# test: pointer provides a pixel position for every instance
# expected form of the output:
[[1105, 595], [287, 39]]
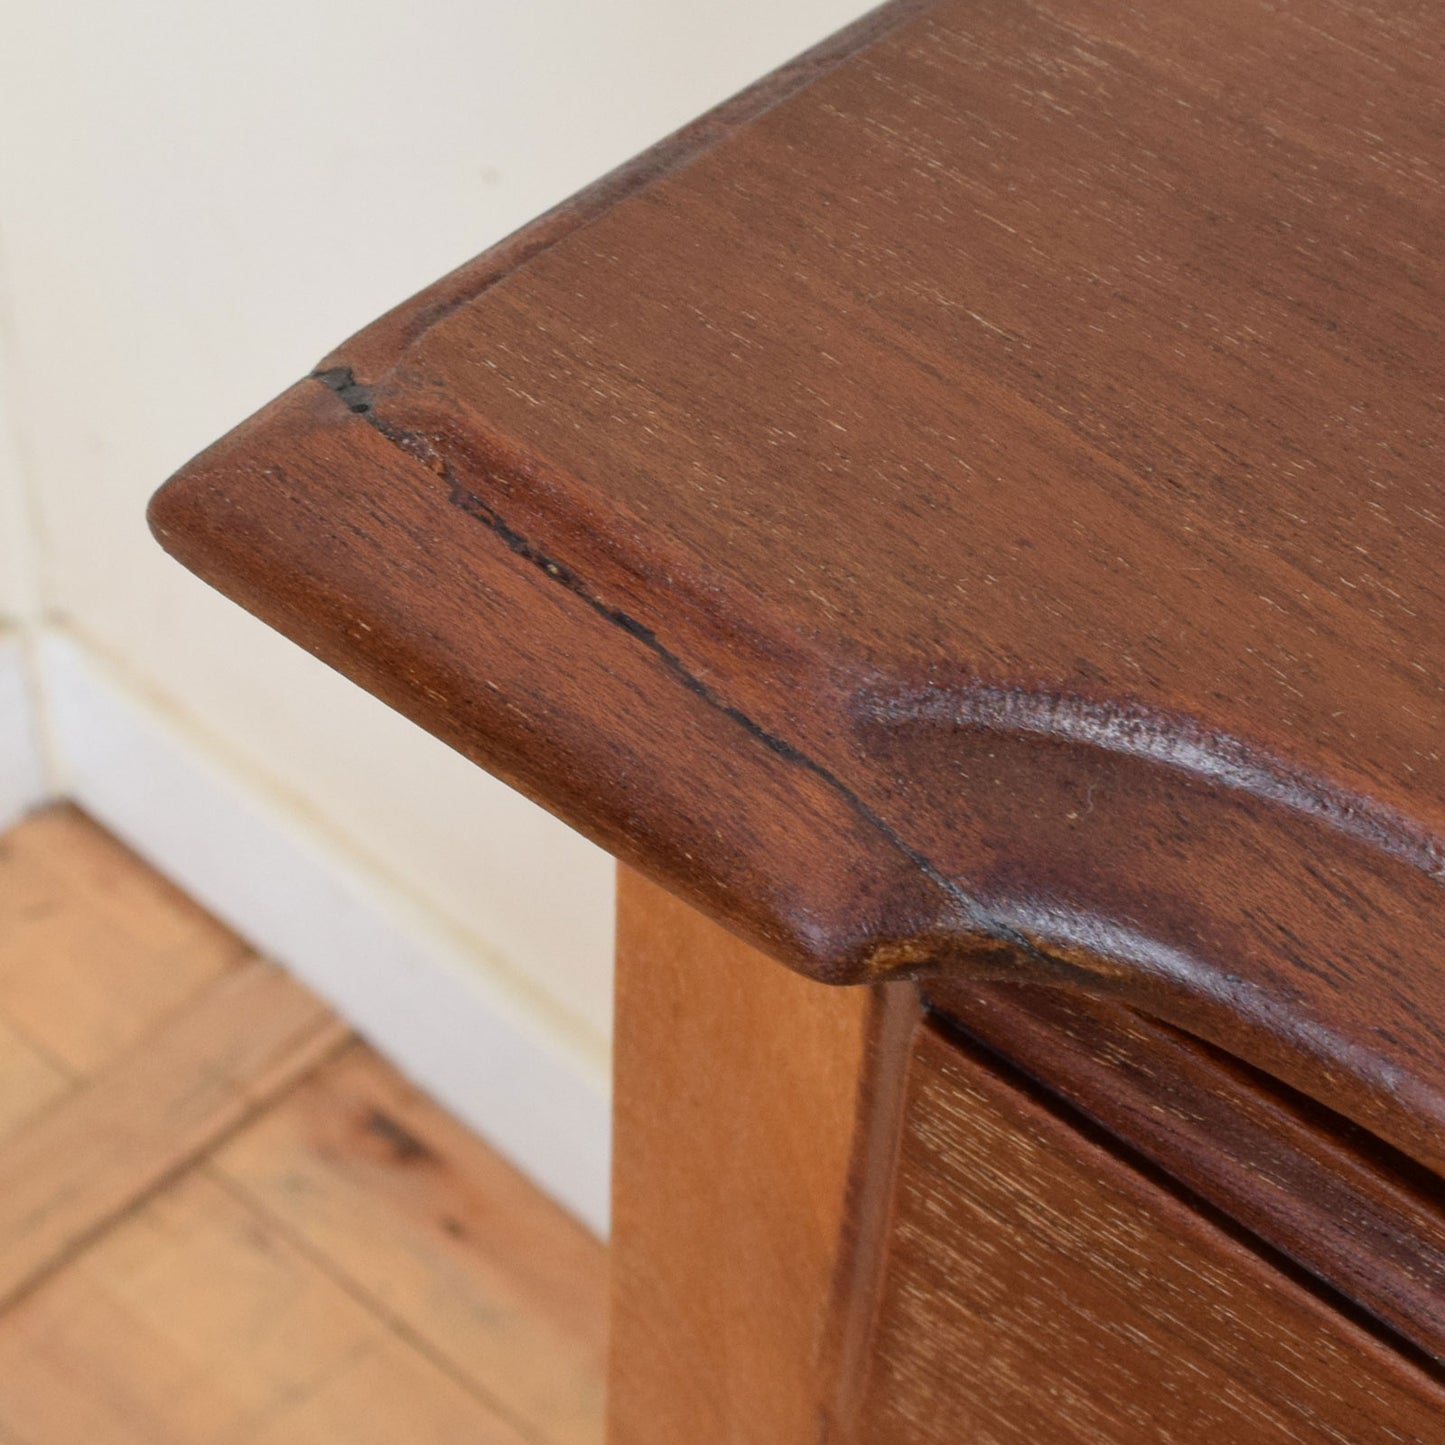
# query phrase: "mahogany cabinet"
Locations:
[[964, 523]]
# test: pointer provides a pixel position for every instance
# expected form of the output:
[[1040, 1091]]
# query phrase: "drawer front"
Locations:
[[1038, 1286]]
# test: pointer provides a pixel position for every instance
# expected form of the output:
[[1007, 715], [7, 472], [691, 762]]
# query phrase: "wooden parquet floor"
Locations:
[[224, 1220]]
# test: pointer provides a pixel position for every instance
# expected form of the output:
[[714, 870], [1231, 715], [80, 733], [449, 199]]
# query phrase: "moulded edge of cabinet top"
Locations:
[[967, 506]]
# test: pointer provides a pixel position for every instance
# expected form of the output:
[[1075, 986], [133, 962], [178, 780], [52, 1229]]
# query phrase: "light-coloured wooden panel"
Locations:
[[738, 1104], [70, 1170], [96, 949], [420, 1218], [194, 1323]]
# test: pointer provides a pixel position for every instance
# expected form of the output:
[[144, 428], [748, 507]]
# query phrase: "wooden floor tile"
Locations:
[[423, 1219], [193, 1323], [198, 1249], [78, 1164], [390, 1395], [29, 1081], [95, 948]]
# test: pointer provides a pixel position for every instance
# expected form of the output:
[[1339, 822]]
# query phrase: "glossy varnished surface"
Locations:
[[975, 508]]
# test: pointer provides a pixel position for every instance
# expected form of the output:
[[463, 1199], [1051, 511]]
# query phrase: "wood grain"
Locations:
[[72, 1169], [29, 1079], [976, 515], [350, 1266], [1040, 1288], [423, 1221], [192, 1323], [744, 1095], [95, 949], [1364, 1221]]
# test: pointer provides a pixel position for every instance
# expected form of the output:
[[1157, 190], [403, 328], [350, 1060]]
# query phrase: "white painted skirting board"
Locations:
[[22, 773], [482, 1051]]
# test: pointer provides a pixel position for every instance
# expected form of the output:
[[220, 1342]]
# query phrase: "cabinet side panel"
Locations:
[[739, 1087], [1039, 1286]]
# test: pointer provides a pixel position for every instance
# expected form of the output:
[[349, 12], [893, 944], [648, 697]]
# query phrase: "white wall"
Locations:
[[196, 202], [22, 772], [15, 581]]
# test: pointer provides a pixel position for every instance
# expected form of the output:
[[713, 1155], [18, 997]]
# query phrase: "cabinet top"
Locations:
[[971, 504]]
